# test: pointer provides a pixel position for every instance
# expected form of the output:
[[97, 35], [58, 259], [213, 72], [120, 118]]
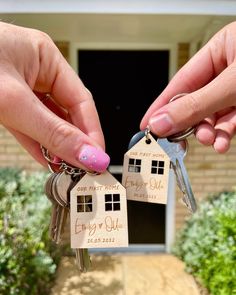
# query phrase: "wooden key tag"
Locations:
[[146, 172], [98, 210]]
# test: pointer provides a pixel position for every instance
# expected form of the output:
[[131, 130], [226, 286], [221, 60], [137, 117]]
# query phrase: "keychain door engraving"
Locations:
[[98, 207], [146, 172]]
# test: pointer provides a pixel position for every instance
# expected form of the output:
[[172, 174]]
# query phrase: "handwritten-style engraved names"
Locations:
[[152, 184], [109, 225]]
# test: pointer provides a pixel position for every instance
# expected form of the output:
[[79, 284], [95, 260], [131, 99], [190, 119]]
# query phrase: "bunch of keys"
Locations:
[[175, 147], [57, 190], [97, 206]]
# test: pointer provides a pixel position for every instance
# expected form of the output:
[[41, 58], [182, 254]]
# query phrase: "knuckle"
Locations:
[[59, 135], [42, 36], [43, 40], [194, 106]]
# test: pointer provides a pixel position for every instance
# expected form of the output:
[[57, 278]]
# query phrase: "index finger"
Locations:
[[59, 79]]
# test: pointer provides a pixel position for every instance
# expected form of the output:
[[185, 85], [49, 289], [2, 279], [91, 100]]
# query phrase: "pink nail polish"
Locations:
[[161, 124], [56, 160], [93, 158]]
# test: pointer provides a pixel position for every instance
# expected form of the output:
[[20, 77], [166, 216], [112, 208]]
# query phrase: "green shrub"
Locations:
[[207, 244], [28, 260]]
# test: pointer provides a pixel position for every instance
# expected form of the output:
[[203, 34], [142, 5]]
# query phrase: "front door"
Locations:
[[124, 84]]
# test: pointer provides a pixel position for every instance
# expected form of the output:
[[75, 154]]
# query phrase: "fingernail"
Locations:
[[161, 124], [93, 158], [56, 160]]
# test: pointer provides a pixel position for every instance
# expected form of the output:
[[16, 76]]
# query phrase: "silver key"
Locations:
[[83, 259], [60, 185], [57, 189], [177, 151], [55, 205], [58, 223], [58, 215], [81, 254]]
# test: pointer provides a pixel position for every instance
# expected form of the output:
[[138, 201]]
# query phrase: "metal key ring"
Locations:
[[183, 134], [49, 158]]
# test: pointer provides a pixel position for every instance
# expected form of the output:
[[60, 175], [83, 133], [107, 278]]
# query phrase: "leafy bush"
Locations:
[[28, 260], [207, 244]]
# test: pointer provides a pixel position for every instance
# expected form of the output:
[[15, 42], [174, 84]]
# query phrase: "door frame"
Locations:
[[171, 47], [170, 208]]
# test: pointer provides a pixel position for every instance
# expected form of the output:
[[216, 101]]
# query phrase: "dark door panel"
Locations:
[[124, 84]]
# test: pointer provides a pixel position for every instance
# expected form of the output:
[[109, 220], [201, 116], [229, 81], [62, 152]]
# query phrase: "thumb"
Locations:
[[192, 108]]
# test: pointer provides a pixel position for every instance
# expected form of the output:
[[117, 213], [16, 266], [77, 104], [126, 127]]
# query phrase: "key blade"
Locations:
[[60, 211], [188, 195], [62, 185], [48, 188], [52, 226], [83, 259], [173, 149], [61, 226]]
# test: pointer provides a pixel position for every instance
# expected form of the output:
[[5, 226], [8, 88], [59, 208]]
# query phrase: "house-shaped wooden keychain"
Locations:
[[98, 209], [146, 171]]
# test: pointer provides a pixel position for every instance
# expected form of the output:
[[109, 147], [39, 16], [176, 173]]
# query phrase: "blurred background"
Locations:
[[125, 52]]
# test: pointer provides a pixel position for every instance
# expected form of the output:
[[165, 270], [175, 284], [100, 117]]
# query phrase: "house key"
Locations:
[[82, 257], [59, 189], [177, 151], [62, 185], [55, 206]]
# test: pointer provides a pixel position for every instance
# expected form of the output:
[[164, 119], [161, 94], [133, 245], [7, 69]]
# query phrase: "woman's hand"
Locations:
[[66, 122], [210, 79]]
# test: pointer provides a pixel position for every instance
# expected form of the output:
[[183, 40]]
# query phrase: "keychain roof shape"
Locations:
[[98, 208], [146, 171]]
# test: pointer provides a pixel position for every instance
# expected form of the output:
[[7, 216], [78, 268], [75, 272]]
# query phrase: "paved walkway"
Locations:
[[126, 275]]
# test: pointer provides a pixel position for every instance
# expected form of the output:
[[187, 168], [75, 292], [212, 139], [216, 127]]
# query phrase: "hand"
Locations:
[[210, 79], [66, 123]]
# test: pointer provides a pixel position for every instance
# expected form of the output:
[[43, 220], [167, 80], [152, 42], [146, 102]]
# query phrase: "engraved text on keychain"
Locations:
[[98, 208], [146, 171]]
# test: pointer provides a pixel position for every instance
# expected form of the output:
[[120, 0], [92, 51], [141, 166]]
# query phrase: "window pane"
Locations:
[[80, 208], [89, 208], [154, 163], [137, 169], [160, 171], [131, 169], [161, 163], [80, 199], [116, 206], [116, 197], [138, 162], [154, 170], [88, 199], [108, 206], [108, 198], [131, 161]]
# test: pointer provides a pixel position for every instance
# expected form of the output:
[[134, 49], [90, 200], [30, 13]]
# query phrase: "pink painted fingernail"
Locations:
[[56, 160], [161, 124], [93, 158]]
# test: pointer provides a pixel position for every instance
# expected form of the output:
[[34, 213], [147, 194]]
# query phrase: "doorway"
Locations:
[[124, 83]]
